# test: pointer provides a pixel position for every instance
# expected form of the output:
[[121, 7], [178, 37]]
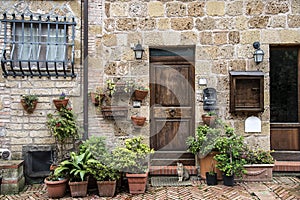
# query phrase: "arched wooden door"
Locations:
[[172, 79]]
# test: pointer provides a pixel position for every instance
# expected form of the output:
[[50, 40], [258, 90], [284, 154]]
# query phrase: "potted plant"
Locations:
[[229, 159], [62, 101], [97, 96], [259, 165], [140, 93], [209, 118], [134, 160], [56, 185], [102, 166], [211, 176], [63, 126], [138, 121], [29, 102], [76, 168], [203, 145]]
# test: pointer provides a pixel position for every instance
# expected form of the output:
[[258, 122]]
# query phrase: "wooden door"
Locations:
[[284, 102], [172, 109]]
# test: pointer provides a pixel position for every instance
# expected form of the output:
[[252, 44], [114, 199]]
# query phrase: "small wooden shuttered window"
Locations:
[[37, 46]]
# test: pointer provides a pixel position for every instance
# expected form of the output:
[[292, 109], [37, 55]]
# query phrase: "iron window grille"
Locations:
[[37, 45]]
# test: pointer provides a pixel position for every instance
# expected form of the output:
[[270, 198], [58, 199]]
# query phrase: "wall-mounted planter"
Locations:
[[140, 94], [112, 112], [59, 103], [138, 120], [27, 108], [96, 98]]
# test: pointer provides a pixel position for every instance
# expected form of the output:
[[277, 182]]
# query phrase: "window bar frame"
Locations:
[[65, 46], [30, 48], [73, 48], [39, 48], [56, 40], [47, 47], [16, 57]]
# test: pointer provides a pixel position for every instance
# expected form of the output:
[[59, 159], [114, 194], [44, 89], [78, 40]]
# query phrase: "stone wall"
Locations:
[[17, 128], [223, 33]]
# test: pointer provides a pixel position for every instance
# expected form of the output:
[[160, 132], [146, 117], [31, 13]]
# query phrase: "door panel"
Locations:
[[284, 99], [172, 110]]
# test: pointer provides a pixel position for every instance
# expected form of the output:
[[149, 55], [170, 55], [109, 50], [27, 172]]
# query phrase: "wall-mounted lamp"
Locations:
[[258, 53], [138, 51]]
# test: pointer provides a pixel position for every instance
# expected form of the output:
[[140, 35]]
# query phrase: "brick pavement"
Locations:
[[285, 188]]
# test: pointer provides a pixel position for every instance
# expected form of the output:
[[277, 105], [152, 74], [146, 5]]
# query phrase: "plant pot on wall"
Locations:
[[96, 98], [59, 103], [209, 120], [29, 109], [138, 120], [140, 94]]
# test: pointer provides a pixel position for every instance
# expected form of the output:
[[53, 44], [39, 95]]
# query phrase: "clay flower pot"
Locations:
[[106, 188], [138, 121], [137, 183], [56, 189], [140, 94], [59, 103], [27, 108]]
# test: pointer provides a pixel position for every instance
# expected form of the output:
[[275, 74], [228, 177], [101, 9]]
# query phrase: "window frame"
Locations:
[[61, 30]]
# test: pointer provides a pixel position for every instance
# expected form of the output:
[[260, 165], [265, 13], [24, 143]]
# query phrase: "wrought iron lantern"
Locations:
[[138, 51], [258, 53]]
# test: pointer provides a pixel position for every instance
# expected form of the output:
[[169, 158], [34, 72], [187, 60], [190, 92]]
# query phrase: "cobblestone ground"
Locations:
[[286, 188]]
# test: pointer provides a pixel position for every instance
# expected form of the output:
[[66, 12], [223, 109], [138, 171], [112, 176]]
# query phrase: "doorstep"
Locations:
[[170, 170], [287, 166]]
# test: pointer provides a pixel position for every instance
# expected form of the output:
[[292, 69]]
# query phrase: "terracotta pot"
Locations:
[[96, 98], [78, 189], [208, 120], [106, 188], [206, 165], [28, 109], [140, 94], [56, 189], [59, 103], [138, 121], [137, 183]]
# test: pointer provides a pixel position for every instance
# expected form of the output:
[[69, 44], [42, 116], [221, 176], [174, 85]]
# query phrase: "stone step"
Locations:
[[170, 170], [286, 166]]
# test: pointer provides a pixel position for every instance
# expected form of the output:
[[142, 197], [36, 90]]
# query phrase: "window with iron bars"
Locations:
[[38, 46]]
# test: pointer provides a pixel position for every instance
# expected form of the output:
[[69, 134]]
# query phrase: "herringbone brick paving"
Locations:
[[285, 188]]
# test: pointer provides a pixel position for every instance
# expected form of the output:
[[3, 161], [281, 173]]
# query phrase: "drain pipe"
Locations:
[[85, 70]]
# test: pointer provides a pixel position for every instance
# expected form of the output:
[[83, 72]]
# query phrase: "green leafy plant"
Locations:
[[76, 167], [258, 156], [204, 141], [63, 125], [29, 100], [133, 157], [102, 166], [231, 147]]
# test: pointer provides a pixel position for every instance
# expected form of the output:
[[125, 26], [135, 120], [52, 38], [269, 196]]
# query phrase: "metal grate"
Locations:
[[37, 45]]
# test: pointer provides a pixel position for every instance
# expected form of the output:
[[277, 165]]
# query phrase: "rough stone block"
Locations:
[[182, 23], [156, 9], [215, 8], [196, 9], [176, 9]]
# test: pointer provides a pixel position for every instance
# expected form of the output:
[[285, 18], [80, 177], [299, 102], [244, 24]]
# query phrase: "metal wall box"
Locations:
[[246, 91]]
